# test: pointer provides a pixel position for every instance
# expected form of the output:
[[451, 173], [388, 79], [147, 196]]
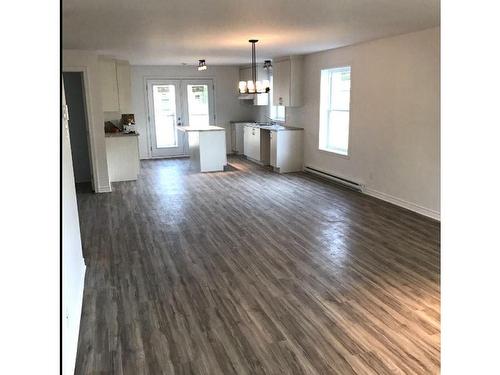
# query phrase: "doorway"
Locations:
[[177, 102], [78, 129]]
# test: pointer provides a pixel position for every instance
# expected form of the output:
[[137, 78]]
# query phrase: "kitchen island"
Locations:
[[207, 147]]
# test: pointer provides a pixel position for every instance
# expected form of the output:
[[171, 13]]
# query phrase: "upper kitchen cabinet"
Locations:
[[115, 85], [124, 87], [109, 85], [288, 81], [262, 74]]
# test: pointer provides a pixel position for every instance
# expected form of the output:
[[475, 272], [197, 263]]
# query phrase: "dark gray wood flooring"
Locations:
[[251, 272]]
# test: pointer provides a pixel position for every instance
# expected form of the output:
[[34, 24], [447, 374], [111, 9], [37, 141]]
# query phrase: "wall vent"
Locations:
[[336, 179]]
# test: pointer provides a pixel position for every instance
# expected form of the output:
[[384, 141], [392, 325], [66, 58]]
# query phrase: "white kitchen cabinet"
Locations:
[[288, 81], [256, 144], [122, 152], [272, 149], [115, 85], [286, 152], [237, 137], [262, 74], [251, 140], [109, 85], [282, 149], [124, 87]]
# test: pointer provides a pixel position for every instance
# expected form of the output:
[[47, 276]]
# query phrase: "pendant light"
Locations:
[[202, 65], [253, 86]]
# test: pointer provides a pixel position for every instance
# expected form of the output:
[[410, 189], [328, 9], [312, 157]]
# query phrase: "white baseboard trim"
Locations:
[[402, 203], [104, 189], [165, 157]]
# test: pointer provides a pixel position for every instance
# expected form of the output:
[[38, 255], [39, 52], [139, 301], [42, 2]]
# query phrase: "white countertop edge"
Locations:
[[199, 129]]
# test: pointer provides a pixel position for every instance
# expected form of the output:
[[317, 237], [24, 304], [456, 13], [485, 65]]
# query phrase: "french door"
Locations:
[[172, 103]]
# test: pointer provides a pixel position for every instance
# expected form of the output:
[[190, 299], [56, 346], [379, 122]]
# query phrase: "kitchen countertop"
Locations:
[[199, 128], [120, 134], [275, 128]]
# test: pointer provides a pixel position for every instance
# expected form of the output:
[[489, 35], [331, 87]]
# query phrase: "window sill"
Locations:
[[333, 153]]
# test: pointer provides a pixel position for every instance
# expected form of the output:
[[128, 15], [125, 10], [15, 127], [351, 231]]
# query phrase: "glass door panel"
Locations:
[[198, 113], [198, 107], [164, 114], [164, 104]]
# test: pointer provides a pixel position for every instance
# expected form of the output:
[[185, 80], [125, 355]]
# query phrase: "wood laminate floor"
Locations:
[[251, 272]]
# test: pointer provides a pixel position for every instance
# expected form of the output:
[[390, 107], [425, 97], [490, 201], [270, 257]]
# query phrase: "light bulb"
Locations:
[[259, 87], [251, 87], [243, 87]]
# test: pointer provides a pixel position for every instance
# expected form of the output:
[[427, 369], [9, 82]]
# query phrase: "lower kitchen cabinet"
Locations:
[[251, 140], [122, 152], [282, 149], [286, 153], [237, 137]]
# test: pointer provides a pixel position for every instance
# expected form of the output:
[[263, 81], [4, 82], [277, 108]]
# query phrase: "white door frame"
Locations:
[[89, 114], [147, 78], [181, 149]]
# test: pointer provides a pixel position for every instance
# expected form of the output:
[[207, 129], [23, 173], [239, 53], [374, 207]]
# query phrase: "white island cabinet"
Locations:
[[207, 147]]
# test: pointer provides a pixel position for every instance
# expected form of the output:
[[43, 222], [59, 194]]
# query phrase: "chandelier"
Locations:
[[253, 86]]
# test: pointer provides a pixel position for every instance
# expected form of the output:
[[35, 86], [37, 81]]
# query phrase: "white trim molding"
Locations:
[[104, 189], [89, 114], [402, 203]]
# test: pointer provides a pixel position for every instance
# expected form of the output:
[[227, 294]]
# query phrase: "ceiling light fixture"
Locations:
[[254, 86], [202, 65]]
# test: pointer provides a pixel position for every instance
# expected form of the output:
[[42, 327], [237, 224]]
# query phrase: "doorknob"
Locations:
[[179, 123]]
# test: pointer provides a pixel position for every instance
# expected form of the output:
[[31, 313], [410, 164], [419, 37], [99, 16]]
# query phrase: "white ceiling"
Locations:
[[168, 32]]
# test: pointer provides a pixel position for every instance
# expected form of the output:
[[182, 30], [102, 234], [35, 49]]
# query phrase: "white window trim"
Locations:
[[324, 149]]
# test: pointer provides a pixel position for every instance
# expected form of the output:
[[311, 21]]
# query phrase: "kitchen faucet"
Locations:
[[273, 122]]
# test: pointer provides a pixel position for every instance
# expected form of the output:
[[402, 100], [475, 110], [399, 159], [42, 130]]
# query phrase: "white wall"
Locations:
[[227, 105], [76, 60], [394, 143], [73, 267]]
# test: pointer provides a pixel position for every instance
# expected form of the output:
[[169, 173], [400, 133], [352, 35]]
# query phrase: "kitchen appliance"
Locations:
[[128, 123]]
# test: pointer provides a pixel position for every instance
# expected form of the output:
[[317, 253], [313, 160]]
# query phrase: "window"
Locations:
[[276, 112], [334, 110]]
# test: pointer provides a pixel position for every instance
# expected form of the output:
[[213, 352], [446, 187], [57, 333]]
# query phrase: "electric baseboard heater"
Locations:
[[335, 179]]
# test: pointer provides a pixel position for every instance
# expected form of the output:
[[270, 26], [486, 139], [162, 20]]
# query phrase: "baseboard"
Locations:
[[168, 157], [405, 204], [104, 189]]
